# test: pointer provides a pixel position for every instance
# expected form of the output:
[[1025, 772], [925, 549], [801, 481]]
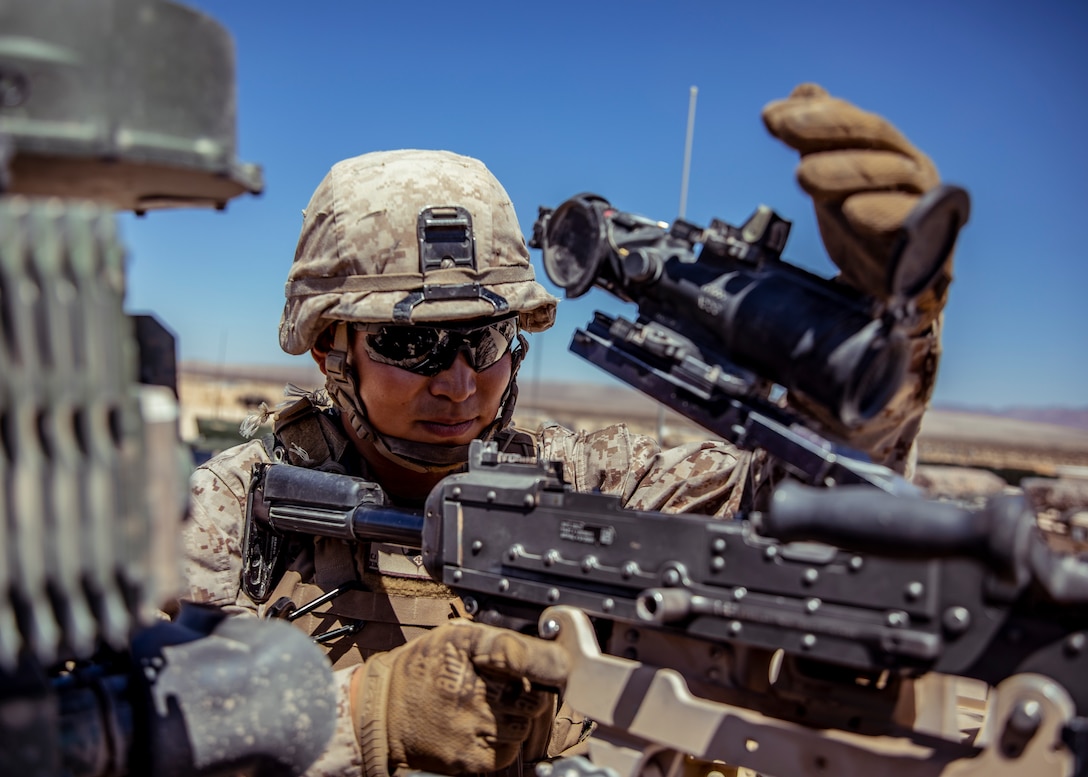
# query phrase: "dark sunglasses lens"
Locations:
[[489, 344], [403, 346]]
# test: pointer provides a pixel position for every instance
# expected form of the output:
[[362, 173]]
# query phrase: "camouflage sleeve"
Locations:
[[709, 477], [342, 756], [211, 538], [212, 564]]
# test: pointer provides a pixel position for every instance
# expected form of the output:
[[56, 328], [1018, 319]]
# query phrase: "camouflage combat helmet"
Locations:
[[408, 237]]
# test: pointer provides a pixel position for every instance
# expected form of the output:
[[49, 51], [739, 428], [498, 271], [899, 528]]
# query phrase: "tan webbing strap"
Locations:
[[309, 437], [401, 281]]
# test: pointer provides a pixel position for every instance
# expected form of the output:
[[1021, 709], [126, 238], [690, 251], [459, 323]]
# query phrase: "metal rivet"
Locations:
[[808, 641], [915, 590], [810, 576], [956, 619]]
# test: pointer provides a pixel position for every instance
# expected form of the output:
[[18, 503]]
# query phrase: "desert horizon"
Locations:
[[1010, 439]]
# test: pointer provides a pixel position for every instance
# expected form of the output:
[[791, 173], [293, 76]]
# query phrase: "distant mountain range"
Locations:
[[1069, 417]]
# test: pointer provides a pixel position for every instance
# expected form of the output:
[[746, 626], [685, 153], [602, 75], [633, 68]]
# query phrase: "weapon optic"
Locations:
[[721, 328]]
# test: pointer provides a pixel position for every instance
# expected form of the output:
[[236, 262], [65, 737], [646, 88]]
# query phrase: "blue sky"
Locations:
[[565, 97]]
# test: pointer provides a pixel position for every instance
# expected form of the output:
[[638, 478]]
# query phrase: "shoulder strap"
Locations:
[[305, 437], [308, 436], [518, 441]]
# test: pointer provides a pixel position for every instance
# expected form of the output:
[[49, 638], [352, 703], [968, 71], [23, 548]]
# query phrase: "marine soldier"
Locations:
[[420, 348]]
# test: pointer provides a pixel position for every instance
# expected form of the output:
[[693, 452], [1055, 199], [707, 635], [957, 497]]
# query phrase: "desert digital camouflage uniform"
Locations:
[[357, 261], [403, 600]]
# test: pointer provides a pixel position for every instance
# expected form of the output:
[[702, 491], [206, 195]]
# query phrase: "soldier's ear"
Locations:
[[322, 346]]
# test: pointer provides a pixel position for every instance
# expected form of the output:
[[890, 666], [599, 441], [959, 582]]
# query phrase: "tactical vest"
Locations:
[[358, 599]]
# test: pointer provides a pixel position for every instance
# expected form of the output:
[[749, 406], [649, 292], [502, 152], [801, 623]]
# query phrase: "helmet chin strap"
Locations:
[[342, 385]]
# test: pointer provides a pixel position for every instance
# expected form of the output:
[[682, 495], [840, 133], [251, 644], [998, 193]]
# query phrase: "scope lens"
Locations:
[[573, 246]]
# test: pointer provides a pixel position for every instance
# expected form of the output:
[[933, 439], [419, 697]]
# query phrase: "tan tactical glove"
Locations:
[[456, 700], [864, 177]]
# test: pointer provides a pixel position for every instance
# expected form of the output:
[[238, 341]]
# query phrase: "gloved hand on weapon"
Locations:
[[864, 178], [458, 699]]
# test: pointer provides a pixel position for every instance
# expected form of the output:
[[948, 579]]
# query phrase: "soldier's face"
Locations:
[[452, 407]]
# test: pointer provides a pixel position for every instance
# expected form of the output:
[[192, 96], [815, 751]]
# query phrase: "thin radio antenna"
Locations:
[[685, 176]]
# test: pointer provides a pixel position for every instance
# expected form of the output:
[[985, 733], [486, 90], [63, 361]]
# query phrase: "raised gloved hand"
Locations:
[[864, 177], [458, 699]]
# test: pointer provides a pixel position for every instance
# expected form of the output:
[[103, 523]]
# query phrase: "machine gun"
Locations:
[[116, 104], [747, 641]]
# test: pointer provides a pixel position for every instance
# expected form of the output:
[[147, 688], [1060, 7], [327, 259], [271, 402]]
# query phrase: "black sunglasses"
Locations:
[[428, 350]]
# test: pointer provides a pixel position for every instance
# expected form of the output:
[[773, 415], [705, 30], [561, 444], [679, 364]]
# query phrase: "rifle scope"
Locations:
[[740, 301]]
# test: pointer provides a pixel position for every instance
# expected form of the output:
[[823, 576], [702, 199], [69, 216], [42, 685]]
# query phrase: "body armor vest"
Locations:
[[358, 599]]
